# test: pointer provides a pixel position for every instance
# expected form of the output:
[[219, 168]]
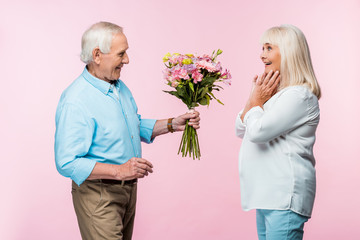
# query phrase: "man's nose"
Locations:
[[126, 59]]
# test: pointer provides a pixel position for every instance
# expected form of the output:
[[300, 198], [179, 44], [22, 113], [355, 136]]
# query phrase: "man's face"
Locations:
[[110, 64]]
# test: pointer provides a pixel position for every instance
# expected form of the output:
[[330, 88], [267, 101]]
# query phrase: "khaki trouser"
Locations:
[[104, 210]]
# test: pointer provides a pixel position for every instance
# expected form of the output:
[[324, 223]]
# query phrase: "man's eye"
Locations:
[[269, 48]]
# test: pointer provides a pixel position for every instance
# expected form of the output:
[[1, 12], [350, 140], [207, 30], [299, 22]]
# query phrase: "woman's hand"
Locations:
[[264, 87]]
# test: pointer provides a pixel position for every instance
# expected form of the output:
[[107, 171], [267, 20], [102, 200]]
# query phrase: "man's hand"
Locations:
[[180, 121], [134, 168]]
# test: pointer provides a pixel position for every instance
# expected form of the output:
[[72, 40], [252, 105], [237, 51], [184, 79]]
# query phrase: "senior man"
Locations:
[[98, 137]]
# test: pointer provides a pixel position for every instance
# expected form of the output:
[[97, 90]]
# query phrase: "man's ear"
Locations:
[[96, 54]]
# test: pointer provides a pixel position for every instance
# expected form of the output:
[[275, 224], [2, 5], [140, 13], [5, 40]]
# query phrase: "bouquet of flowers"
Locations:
[[194, 79]]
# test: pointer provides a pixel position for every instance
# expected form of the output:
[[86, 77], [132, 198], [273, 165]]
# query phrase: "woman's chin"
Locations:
[[267, 70]]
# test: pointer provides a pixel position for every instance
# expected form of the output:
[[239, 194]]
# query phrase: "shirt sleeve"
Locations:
[[146, 129], [288, 112], [240, 128], [73, 138], [146, 125]]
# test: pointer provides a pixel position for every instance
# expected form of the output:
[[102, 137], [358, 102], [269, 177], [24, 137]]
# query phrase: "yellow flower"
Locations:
[[190, 55], [187, 61], [166, 57]]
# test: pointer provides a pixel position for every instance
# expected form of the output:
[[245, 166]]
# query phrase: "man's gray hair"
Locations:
[[98, 35]]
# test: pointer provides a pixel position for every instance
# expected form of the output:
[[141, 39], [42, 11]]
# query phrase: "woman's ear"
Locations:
[[96, 54]]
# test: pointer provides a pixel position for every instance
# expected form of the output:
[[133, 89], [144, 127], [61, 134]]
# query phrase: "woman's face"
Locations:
[[270, 56]]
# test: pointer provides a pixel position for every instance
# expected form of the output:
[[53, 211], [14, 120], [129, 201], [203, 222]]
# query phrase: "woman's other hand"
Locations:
[[264, 87]]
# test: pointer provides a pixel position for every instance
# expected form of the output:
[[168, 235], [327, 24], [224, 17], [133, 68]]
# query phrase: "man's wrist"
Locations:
[[170, 126], [117, 174]]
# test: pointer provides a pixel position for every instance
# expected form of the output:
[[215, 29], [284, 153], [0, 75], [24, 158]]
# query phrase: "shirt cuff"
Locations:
[[253, 112], [146, 130], [82, 170], [240, 128], [238, 119]]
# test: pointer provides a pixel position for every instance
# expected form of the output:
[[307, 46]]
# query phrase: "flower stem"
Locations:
[[189, 143]]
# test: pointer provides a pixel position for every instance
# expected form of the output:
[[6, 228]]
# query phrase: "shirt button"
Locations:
[[132, 136]]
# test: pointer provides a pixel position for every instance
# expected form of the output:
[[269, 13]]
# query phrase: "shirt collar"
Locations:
[[102, 85]]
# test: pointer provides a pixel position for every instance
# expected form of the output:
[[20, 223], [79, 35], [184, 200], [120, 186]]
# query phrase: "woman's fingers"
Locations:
[[267, 77], [276, 84], [260, 79], [273, 79]]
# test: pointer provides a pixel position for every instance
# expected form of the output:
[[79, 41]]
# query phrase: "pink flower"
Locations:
[[206, 65], [197, 76], [206, 58], [176, 59], [166, 73], [174, 84], [179, 73], [227, 82], [225, 77], [218, 67], [170, 78]]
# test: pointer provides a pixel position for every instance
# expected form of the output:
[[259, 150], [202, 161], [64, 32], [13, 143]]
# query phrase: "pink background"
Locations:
[[182, 199]]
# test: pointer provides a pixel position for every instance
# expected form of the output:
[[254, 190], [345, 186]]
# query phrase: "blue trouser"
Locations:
[[279, 225]]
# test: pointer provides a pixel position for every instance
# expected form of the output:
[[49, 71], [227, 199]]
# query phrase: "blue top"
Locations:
[[97, 122]]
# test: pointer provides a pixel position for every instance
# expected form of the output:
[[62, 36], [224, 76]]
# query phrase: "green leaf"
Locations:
[[219, 101], [204, 91], [175, 93], [216, 98], [194, 104], [218, 86], [191, 86], [207, 99], [208, 81], [203, 101]]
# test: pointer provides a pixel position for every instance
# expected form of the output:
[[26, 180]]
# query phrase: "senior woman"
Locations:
[[278, 125]]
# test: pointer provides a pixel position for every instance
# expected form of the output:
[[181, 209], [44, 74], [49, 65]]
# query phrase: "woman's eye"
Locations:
[[269, 48]]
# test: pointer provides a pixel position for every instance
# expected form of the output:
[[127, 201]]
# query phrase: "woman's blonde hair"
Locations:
[[296, 66]]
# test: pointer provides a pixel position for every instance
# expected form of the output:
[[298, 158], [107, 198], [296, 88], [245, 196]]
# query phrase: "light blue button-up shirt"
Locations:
[[96, 124]]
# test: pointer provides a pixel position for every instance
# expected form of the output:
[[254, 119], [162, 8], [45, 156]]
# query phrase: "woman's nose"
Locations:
[[262, 56]]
